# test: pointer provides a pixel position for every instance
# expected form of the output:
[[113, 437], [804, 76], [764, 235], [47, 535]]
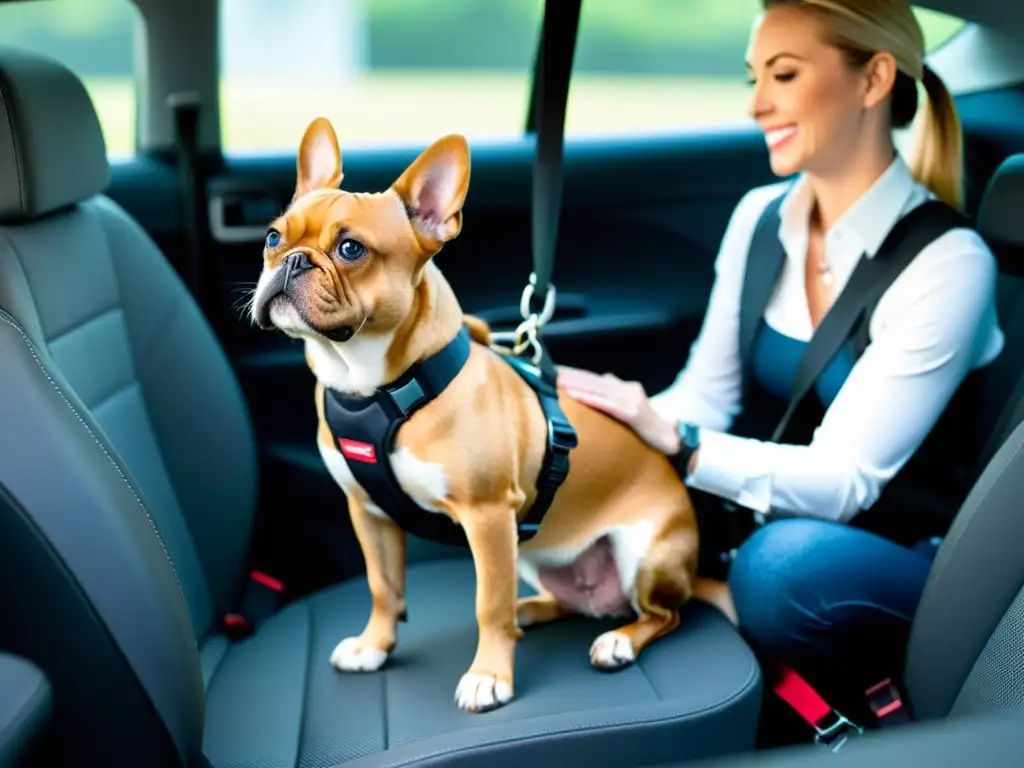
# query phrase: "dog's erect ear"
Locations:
[[434, 188], [319, 161]]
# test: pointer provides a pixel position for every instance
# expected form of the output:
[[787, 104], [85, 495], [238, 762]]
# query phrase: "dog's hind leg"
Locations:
[[542, 608], [664, 583]]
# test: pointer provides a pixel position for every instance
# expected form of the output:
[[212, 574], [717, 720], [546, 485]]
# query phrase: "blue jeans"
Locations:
[[833, 602]]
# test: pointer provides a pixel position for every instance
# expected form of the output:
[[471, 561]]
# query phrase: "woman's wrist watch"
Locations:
[[689, 442]]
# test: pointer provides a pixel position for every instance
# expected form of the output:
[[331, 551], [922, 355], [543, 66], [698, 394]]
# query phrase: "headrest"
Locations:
[[52, 152], [1001, 211]]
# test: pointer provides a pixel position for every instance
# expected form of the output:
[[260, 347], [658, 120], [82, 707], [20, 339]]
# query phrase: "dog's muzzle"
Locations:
[[291, 268], [293, 265]]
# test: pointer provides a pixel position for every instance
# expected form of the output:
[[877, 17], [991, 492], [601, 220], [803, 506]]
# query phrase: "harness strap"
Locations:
[[365, 428], [561, 439]]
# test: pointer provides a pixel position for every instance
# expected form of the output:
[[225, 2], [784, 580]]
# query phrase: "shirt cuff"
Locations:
[[730, 467]]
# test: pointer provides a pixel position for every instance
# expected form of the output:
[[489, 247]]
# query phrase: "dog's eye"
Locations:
[[273, 238], [351, 250]]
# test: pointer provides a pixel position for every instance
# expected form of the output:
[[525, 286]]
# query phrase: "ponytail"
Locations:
[[937, 161]]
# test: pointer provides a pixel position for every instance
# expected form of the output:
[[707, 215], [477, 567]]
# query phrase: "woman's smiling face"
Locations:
[[806, 97]]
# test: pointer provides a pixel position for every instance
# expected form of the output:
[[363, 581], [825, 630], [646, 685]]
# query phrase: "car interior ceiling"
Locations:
[[157, 450]]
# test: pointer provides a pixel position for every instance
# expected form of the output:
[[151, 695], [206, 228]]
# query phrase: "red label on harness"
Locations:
[[357, 451]]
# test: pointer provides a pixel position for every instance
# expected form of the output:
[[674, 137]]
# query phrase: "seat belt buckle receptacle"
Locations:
[[886, 703], [261, 599]]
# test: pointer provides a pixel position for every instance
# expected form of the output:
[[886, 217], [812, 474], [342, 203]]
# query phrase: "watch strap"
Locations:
[[689, 442]]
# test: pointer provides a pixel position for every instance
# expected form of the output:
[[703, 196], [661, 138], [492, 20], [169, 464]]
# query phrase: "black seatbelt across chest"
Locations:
[[847, 320], [364, 430]]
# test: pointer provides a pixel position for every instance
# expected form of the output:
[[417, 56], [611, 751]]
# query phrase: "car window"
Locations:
[[651, 66], [95, 40], [383, 71]]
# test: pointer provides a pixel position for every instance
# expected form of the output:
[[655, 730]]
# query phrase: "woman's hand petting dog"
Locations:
[[626, 401]]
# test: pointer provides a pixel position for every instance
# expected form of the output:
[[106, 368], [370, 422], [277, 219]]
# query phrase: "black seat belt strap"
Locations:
[[764, 265], [870, 280], [184, 108], [551, 93]]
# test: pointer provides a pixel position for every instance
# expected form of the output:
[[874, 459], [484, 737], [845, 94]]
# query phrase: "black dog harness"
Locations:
[[364, 429]]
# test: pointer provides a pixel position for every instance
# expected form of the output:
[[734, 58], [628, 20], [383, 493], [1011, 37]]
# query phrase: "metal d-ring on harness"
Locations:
[[526, 336], [364, 428]]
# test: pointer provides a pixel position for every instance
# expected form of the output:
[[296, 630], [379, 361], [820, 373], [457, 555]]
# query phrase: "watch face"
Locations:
[[690, 435]]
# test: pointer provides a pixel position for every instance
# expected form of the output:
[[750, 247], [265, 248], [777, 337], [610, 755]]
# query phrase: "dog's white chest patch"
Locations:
[[425, 482]]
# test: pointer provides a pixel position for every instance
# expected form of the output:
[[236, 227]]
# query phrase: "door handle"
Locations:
[[242, 216]]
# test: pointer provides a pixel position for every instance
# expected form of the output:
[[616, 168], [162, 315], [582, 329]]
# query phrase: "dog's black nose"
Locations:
[[295, 264], [298, 262]]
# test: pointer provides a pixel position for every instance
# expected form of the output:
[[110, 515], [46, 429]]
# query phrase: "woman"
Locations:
[[831, 80]]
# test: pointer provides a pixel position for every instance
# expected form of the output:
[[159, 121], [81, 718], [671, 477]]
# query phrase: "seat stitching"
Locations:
[[560, 731], [31, 347], [305, 687]]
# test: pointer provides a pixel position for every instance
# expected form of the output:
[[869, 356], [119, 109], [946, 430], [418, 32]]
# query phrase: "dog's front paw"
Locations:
[[479, 692], [612, 650], [350, 656]]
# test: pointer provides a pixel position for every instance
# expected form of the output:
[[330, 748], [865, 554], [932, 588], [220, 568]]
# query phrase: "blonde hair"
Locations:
[[862, 28]]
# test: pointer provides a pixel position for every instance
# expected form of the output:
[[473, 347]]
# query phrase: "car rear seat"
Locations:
[[127, 495], [1002, 391]]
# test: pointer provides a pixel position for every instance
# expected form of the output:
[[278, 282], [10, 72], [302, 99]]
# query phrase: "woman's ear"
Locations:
[[879, 78]]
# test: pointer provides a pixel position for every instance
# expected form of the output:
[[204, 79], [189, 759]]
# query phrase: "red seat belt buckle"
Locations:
[[236, 626], [274, 585], [831, 728], [886, 703], [261, 599]]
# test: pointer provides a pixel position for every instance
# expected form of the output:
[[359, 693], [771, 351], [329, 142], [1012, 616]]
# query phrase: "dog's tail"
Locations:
[[718, 594], [479, 330]]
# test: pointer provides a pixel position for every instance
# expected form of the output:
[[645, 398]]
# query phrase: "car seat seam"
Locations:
[[86, 321], [6, 97], [31, 347], [613, 724], [307, 675]]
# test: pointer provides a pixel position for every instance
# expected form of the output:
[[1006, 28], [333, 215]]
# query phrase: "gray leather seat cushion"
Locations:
[[274, 700]]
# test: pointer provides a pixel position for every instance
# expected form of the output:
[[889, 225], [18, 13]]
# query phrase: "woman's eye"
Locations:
[[785, 77], [273, 238], [351, 250]]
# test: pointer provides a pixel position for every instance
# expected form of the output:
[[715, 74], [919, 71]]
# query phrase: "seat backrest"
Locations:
[[1001, 223], [966, 649], [126, 453]]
